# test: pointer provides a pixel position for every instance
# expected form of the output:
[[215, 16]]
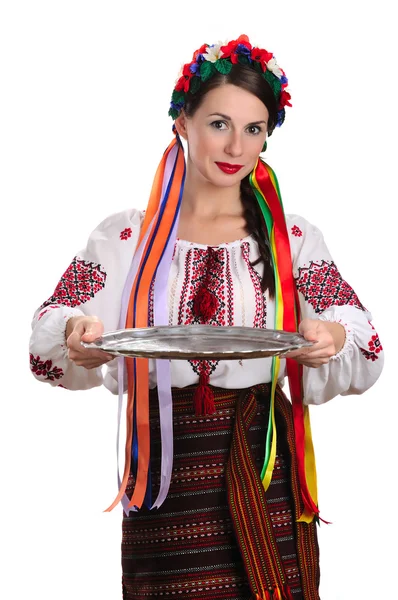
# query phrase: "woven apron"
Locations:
[[219, 535]]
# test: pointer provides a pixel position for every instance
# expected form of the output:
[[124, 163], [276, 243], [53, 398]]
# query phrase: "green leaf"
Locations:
[[177, 97], [206, 70], [195, 84], [223, 66], [243, 60], [274, 83], [173, 113]]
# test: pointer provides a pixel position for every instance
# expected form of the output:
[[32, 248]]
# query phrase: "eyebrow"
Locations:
[[227, 118]]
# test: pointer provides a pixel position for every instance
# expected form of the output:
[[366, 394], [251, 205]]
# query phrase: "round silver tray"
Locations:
[[198, 342]]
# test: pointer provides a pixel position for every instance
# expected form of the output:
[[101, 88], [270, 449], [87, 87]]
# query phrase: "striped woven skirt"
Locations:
[[218, 535]]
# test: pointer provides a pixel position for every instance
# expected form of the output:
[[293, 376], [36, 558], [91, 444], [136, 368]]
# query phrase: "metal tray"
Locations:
[[198, 342]]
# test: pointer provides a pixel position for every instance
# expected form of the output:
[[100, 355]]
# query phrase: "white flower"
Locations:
[[213, 53], [274, 68]]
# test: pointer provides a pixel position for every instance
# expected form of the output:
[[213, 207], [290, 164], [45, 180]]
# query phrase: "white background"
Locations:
[[84, 99]]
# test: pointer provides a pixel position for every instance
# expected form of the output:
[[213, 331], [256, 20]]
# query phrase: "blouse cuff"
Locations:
[[334, 315], [51, 322]]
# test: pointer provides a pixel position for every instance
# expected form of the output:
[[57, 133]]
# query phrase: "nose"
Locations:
[[234, 145]]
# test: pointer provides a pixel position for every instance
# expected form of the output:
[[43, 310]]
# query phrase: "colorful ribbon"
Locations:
[[154, 250], [265, 186]]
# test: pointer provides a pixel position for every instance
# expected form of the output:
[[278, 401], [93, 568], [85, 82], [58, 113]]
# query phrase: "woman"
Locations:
[[235, 497]]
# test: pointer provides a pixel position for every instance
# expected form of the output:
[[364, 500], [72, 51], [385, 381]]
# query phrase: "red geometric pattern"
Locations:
[[45, 368], [207, 269], [80, 282], [296, 231], [260, 315], [322, 286], [374, 348], [126, 233]]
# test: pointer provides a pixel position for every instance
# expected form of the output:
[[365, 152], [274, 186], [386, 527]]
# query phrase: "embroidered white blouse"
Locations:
[[94, 281]]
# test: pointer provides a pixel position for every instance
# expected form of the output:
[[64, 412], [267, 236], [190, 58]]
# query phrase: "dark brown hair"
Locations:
[[253, 82]]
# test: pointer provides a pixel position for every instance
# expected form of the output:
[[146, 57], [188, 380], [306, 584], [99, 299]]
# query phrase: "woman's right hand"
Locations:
[[85, 329]]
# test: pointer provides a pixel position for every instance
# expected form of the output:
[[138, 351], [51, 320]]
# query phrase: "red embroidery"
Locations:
[[296, 231], [215, 272], [45, 311], [80, 282], [45, 368], [126, 233], [211, 268], [260, 314], [374, 347], [322, 286], [369, 355]]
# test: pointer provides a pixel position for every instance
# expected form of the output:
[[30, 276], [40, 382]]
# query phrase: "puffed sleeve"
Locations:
[[325, 295], [91, 285]]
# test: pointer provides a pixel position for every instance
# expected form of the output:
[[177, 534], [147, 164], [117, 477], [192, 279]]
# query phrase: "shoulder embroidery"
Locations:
[[322, 286], [80, 282]]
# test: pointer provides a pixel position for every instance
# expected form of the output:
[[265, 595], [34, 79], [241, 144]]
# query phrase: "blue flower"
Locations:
[[242, 49], [283, 79], [280, 117], [195, 67], [177, 105]]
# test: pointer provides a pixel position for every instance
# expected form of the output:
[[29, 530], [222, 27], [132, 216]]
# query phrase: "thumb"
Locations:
[[309, 330]]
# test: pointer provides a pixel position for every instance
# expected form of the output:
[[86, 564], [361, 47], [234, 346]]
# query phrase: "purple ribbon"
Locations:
[[163, 371]]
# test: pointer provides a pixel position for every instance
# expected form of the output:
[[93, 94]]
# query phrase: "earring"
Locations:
[[264, 147]]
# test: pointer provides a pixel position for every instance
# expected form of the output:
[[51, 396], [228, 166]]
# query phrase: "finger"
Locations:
[[318, 353], [314, 364], [299, 352], [311, 335], [73, 342], [93, 331]]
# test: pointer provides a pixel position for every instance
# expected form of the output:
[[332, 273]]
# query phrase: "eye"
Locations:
[[219, 125], [254, 129]]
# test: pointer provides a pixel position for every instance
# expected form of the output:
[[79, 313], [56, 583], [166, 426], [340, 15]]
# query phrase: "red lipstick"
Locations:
[[227, 168]]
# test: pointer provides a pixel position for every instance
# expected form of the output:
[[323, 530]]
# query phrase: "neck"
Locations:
[[207, 201]]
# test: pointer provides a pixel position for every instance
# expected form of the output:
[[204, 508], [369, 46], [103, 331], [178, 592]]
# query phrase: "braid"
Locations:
[[256, 228]]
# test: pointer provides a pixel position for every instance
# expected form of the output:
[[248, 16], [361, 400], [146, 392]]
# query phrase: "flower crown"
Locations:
[[218, 58]]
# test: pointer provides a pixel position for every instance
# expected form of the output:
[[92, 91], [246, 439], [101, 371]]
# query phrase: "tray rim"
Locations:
[[176, 354]]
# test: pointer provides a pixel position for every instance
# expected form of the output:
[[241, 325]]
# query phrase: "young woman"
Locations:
[[218, 462]]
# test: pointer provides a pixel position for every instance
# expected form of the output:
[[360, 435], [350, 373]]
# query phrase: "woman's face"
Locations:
[[227, 131]]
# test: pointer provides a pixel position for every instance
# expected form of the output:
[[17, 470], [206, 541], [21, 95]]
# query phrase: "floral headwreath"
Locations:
[[218, 58]]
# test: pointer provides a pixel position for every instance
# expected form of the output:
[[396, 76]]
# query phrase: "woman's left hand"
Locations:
[[328, 340]]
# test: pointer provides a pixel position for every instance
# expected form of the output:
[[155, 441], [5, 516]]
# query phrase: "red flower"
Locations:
[[126, 233], [231, 47], [296, 231], [185, 79], [201, 50], [284, 99], [261, 56]]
